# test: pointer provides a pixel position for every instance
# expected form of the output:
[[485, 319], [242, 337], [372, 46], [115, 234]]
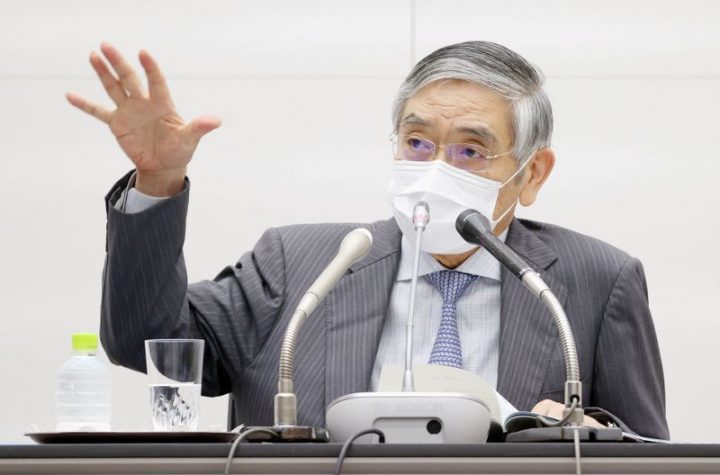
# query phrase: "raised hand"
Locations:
[[146, 125]]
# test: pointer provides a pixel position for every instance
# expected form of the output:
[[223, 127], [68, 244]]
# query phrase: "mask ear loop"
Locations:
[[494, 222], [517, 172], [505, 213]]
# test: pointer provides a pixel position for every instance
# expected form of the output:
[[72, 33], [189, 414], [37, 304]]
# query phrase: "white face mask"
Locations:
[[448, 191]]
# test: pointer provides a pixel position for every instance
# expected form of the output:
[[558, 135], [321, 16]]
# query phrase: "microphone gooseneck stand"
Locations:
[[475, 228], [354, 246], [421, 217]]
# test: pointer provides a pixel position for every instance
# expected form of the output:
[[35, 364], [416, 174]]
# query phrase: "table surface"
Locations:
[[312, 459], [190, 450]]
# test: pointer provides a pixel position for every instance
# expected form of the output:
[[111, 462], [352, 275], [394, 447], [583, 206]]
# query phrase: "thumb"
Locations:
[[200, 126]]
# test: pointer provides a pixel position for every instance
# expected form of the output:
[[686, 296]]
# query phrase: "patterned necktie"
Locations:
[[446, 349]]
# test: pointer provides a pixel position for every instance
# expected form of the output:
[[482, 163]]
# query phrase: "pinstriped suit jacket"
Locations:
[[243, 312]]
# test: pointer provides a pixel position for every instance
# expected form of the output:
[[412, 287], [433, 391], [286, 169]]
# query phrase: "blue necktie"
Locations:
[[446, 349]]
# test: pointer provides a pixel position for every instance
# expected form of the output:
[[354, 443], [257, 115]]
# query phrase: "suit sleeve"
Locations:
[[628, 370], [146, 294]]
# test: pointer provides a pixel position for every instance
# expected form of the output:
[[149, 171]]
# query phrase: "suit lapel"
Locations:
[[355, 313], [528, 335]]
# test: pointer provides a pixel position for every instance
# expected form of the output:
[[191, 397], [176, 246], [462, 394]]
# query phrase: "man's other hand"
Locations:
[[554, 409]]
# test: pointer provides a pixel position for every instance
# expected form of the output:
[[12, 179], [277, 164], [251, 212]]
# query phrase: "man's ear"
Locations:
[[538, 170]]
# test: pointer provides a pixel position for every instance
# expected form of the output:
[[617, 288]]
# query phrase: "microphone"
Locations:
[[420, 219], [421, 215], [407, 416], [475, 228], [354, 246]]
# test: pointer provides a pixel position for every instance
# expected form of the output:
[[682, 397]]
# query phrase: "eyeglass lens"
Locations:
[[463, 156]]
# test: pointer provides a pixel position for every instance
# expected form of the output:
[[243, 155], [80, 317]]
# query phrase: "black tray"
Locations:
[[129, 437]]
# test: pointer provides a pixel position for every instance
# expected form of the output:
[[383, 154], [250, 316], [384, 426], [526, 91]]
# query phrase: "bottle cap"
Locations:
[[84, 341]]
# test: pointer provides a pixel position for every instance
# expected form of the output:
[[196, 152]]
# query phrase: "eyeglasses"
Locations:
[[469, 157]]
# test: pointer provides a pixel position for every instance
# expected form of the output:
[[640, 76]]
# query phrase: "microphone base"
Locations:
[[289, 434], [410, 417], [566, 434]]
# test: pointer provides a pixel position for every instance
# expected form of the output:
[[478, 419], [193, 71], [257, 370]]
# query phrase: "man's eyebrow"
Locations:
[[412, 119], [481, 132]]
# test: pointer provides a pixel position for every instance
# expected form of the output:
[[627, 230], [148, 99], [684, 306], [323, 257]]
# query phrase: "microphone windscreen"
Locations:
[[356, 244], [421, 214], [471, 220]]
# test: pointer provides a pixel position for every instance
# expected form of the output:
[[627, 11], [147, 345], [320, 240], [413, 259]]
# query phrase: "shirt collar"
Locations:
[[480, 263]]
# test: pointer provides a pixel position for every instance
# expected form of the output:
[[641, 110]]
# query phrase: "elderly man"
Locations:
[[473, 128]]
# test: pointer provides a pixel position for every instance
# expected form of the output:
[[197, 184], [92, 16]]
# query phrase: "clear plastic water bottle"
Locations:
[[82, 397]]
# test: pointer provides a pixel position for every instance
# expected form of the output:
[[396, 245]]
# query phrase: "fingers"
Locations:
[[590, 422], [109, 82], [547, 407], [157, 86], [88, 107], [550, 408], [128, 79], [200, 126]]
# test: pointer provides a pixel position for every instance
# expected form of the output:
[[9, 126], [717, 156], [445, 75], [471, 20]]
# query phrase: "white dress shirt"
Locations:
[[478, 314]]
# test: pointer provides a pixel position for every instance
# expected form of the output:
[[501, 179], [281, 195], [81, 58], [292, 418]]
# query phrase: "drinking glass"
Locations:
[[174, 367]]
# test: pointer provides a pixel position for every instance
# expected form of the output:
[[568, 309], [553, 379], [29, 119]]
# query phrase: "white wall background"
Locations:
[[304, 88]]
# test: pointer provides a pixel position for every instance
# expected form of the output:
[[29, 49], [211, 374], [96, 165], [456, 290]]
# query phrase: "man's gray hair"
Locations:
[[498, 69]]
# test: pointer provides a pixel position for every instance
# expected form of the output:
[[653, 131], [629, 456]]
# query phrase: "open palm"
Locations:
[[146, 125]]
